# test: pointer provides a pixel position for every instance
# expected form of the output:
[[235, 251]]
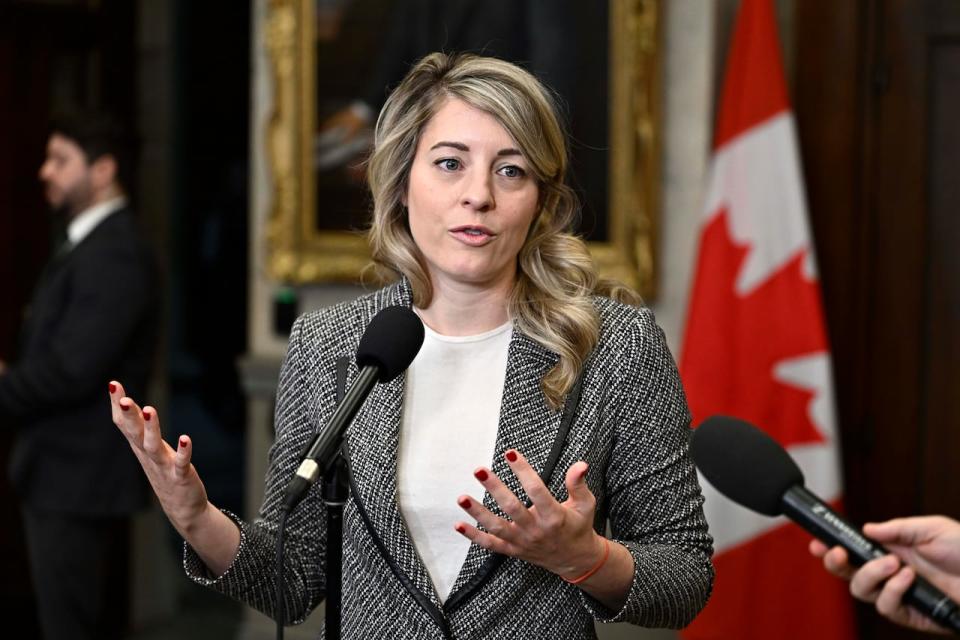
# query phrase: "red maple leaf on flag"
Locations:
[[731, 359]]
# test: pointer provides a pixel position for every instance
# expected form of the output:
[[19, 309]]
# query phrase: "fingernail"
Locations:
[[481, 475], [464, 503], [460, 529], [511, 455], [113, 387], [583, 474], [183, 443], [124, 407], [148, 415]]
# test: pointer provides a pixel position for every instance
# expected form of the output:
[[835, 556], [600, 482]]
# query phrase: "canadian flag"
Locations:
[[756, 347]]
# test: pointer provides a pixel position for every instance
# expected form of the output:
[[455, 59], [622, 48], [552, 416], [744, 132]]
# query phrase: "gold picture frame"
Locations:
[[299, 253]]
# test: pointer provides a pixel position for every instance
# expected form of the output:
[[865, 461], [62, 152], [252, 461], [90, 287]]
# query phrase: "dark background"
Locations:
[[58, 54]]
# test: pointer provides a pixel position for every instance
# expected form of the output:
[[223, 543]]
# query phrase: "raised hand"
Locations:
[[175, 481], [170, 472], [556, 536]]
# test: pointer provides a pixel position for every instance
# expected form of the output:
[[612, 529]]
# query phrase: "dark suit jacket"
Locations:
[[93, 318], [630, 425]]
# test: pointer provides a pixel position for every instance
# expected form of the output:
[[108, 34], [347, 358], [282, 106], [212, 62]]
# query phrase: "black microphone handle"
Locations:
[[326, 442], [828, 526]]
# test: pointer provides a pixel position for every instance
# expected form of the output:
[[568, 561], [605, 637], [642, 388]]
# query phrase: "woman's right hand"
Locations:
[[173, 478], [213, 535]]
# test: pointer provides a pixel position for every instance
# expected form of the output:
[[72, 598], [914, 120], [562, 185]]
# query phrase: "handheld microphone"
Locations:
[[752, 469], [387, 347]]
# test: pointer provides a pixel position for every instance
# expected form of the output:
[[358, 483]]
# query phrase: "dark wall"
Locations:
[[877, 95], [208, 279]]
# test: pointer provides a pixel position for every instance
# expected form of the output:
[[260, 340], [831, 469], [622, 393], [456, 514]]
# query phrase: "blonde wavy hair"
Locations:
[[556, 277]]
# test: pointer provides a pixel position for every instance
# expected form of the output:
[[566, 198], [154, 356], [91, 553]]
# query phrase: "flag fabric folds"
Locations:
[[756, 347]]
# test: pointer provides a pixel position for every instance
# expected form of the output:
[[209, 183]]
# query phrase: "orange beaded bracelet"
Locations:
[[596, 567]]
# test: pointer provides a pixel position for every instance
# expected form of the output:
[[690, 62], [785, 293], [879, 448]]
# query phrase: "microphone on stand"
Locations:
[[387, 347], [752, 469]]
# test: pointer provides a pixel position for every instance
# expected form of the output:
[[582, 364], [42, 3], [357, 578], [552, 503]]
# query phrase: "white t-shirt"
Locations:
[[451, 412]]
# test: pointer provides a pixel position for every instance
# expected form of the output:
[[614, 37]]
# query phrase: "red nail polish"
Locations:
[[124, 407], [148, 415], [461, 529], [481, 475], [183, 443], [464, 503], [511, 455], [113, 387]]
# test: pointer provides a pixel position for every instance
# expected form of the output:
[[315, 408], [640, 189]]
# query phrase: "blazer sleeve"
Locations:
[[654, 501], [251, 578], [109, 294]]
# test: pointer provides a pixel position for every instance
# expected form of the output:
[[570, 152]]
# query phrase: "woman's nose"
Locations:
[[478, 194]]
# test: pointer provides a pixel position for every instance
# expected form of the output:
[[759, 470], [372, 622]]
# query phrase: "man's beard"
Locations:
[[75, 199], [59, 214]]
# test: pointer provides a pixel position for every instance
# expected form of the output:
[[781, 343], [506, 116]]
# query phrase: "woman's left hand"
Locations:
[[557, 536]]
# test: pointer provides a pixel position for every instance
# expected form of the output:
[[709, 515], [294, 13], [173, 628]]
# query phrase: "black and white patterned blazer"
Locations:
[[631, 425]]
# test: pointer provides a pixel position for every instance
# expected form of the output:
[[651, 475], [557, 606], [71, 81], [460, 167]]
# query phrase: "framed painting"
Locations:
[[328, 59]]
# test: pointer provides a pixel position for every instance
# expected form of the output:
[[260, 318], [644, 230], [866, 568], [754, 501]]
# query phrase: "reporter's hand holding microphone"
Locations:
[[752, 469], [929, 545]]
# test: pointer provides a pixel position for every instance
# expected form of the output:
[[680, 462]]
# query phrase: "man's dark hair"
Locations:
[[97, 133]]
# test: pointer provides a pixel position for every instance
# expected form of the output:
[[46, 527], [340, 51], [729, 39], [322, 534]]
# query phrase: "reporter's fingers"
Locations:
[[906, 531], [890, 600], [835, 561], [817, 548], [868, 580], [181, 461]]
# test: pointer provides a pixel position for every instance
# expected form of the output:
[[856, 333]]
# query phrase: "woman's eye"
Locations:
[[448, 164], [512, 171]]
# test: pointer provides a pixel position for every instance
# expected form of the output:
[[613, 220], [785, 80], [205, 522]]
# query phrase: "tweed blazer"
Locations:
[[631, 425]]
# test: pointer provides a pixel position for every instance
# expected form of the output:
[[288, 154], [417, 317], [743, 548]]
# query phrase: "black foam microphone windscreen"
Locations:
[[744, 463], [751, 468], [387, 347], [390, 342]]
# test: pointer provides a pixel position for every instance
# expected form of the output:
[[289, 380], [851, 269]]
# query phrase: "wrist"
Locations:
[[597, 559], [197, 521]]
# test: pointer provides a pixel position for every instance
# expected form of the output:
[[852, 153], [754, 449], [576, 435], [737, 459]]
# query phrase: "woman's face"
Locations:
[[471, 198]]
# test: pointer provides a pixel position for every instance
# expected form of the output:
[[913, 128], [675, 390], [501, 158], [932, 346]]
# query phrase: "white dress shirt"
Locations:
[[87, 220]]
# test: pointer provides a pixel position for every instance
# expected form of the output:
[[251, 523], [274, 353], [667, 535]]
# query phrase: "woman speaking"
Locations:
[[460, 522]]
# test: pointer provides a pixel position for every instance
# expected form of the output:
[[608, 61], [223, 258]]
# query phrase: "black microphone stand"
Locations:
[[335, 492]]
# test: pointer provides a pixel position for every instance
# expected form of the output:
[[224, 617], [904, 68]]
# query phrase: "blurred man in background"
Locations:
[[93, 317]]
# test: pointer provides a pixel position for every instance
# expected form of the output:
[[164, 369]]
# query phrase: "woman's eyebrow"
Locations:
[[456, 145], [510, 151]]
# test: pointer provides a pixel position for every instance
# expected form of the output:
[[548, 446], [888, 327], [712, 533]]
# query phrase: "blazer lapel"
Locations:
[[373, 442], [528, 425]]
